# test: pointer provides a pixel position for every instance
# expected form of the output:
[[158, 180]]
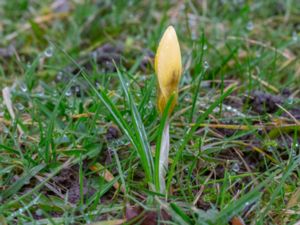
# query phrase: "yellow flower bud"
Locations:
[[168, 68]]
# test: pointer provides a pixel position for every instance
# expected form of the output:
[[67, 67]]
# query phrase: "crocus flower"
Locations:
[[168, 70]]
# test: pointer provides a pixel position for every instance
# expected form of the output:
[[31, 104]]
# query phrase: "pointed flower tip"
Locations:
[[168, 67]]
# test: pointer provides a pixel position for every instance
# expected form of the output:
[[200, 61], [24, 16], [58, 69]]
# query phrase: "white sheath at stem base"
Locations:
[[163, 158]]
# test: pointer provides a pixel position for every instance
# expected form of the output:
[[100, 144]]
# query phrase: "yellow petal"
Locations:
[[168, 67]]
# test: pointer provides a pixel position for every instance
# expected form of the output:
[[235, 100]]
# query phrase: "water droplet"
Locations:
[[59, 75], [295, 36], [77, 89], [247, 203], [297, 145], [23, 87], [27, 181], [55, 93], [206, 65], [40, 94], [229, 108], [270, 148], [149, 105], [20, 106], [39, 212], [204, 47], [28, 65], [94, 55], [235, 167], [194, 35], [68, 93], [173, 181], [5, 130], [293, 153], [290, 100], [49, 52], [250, 26], [234, 110], [23, 137]]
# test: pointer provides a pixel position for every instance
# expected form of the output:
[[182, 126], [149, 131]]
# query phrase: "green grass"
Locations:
[[82, 115]]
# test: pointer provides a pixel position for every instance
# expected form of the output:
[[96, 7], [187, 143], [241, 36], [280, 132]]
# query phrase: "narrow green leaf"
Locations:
[[179, 212]]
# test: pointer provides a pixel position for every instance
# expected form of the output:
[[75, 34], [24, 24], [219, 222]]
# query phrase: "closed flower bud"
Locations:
[[168, 68]]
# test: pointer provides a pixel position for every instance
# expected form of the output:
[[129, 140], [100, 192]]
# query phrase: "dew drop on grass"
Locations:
[[68, 93], [40, 94], [250, 26], [206, 65], [55, 93], [290, 100], [59, 76], [49, 52], [235, 167], [204, 47], [270, 148], [293, 153], [173, 181], [77, 89], [20, 106], [24, 137], [94, 55], [23, 87], [39, 212], [5, 130], [229, 108], [295, 36]]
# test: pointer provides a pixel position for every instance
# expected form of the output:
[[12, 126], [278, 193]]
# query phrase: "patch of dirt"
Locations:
[[106, 54], [262, 102], [67, 182], [201, 204], [112, 133], [147, 60], [102, 56], [7, 51]]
